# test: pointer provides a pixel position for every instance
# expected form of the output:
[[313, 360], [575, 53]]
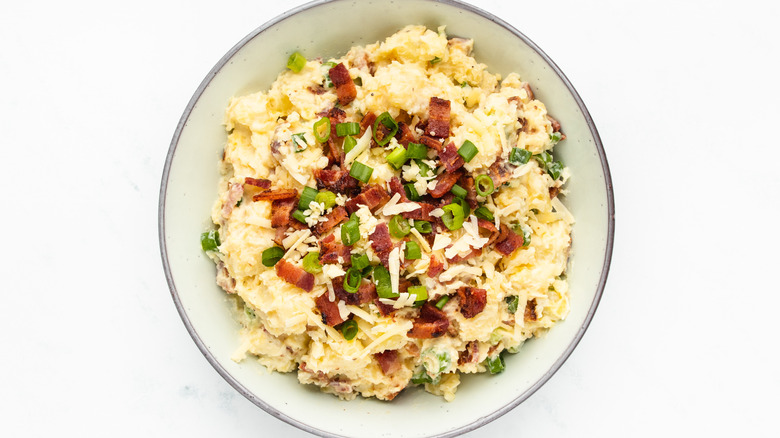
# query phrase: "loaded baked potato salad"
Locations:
[[391, 218]]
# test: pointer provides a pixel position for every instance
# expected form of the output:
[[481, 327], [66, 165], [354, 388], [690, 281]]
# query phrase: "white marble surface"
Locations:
[[685, 95]]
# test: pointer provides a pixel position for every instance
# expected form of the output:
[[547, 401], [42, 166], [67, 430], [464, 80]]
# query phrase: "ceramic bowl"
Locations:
[[189, 187]]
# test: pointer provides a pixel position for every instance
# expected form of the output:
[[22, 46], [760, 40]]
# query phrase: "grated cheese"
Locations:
[[423, 243], [332, 271], [460, 270], [362, 145], [441, 241], [393, 208], [304, 234], [562, 211], [394, 263]]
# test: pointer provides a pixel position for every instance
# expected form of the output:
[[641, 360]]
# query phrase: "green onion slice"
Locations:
[[425, 170], [326, 198], [411, 192], [435, 60], [464, 205], [308, 195], [412, 251], [495, 364], [350, 230], [387, 121], [347, 128], [384, 287], [453, 216], [424, 227], [311, 263], [349, 329], [459, 191], [554, 169], [360, 171], [349, 143], [322, 129], [519, 156], [416, 150], [299, 216], [296, 62], [397, 158], [209, 240], [442, 301], [399, 227], [468, 151], [484, 185], [555, 137], [511, 303], [299, 140], [420, 291], [484, 213], [272, 255], [352, 280], [360, 262]]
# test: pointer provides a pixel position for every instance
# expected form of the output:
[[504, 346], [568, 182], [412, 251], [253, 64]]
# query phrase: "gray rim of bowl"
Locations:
[[248, 394]]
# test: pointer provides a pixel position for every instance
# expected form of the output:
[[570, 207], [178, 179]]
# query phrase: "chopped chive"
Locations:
[[296, 62], [352, 280], [387, 121], [349, 143], [300, 142], [384, 287], [299, 216], [526, 237], [519, 156], [411, 192], [350, 231], [326, 198], [511, 303], [360, 262], [468, 151], [399, 227], [347, 128], [555, 137], [412, 251], [459, 191], [349, 329], [435, 60], [554, 169], [311, 263], [360, 171], [495, 364], [209, 241], [442, 301], [322, 129], [308, 195], [272, 255], [453, 216], [484, 213], [420, 291], [397, 158], [424, 227], [484, 185], [416, 150]]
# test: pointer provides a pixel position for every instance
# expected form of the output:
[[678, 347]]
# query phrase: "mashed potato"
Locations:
[[447, 273]]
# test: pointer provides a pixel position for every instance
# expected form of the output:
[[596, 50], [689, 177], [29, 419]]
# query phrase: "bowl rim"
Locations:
[[261, 403]]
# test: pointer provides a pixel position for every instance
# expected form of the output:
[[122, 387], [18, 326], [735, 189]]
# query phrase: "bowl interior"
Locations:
[[190, 187]]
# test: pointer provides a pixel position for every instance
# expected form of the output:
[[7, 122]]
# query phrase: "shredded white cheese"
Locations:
[[460, 270], [332, 271], [394, 265], [362, 145], [393, 208], [441, 241], [562, 211], [304, 234], [437, 212]]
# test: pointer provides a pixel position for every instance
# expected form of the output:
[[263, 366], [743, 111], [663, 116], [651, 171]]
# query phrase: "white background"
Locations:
[[684, 93]]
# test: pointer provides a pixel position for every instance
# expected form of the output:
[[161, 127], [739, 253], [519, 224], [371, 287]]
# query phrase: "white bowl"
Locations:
[[189, 187]]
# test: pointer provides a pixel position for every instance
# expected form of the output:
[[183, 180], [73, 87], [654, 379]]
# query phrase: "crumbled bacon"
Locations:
[[490, 226], [388, 361], [258, 182], [381, 242], [433, 143], [384, 309], [366, 292], [475, 252], [421, 214], [337, 181], [530, 310], [366, 122], [439, 118], [373, 196], [554, 191], [235, 193], [334, 153], [470, 354], [331, 250], [329, 310], [444, 183], [404, 134], [450, 158], [272, 195], [317, 89], [556, 125], [528, 90], [281, 211], [397, 187], [294, 275], [435, 267], [335, 217], [472, 301], [500, 172], [432, 323], [467, 182], [345, 87], [508, 241]]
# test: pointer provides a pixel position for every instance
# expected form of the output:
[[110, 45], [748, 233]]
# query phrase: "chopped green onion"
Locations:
[[519, 156], [296, 62], [526, 237], [459, 191], [464, 205], [420, 291], [384, 287], [350, 231], [360, 262], [349, 143], [511, 303], [328, 65], [495, 364], [387, 120], [442, 301], [425, 170], [453, 216], [299, 216], [326, 198], [554, 169], [544, 159], [308, 195], [367, 271], [468, 151], [349, 329], [311, 263], [412, 251], [416, 150], [435, 60], [272, 255], [421, 377], [300, 142], [424, 227], [399, 227], [209, 241], [555, 137], [322, 130], [361, 172], [484, 213], [352, 280], [484, 185], [397, 158], [358, 81], [238, 204], [347, 128], [411, 192]]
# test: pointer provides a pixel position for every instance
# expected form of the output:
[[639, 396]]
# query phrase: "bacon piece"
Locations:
[[432, 323], [528, 90], [329, 310], [384, 309], [281, 211], [317, 89], [467, 182], [334, 152], [556, 126], [345, 87], [421, 214], [235, 193], [381, 242], [450, 158], [258, 182], [294, 275], [439, 118], [373, 196], [472, 301], [508, 241], [433, 143], [490, 226], [530, 310], [335, 217], [500, 172], [366, 292], [272, 195], [435, 267], [470, 354], [404, 134], [554, 191], [337, 181], [397, 187], [366, 122], [474, 253], [444, 183], [331, 250], [388, 361]]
